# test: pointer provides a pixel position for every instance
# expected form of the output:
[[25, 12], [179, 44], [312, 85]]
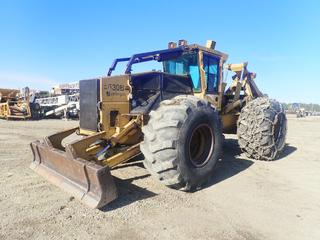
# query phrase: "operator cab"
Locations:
[[203, 65], [189, 63], [184, 67]]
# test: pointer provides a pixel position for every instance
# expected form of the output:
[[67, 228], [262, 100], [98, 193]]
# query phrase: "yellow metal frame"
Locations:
[[6, 111], [86, 149]]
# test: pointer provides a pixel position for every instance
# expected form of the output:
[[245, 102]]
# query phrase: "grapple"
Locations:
[[70, 168]]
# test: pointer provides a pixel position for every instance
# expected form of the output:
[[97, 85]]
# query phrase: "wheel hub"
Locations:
[[201, 145]]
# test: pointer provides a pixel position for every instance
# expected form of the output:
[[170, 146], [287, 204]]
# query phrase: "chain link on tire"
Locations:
[[262, 129]]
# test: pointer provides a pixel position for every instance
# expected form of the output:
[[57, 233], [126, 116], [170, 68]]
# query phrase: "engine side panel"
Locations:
[[115, 92]]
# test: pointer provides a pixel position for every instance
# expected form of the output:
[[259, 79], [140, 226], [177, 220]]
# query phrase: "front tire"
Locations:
[[182, 142], [262, 129]]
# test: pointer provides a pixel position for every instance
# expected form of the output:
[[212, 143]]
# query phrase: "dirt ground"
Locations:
[[245, 199]]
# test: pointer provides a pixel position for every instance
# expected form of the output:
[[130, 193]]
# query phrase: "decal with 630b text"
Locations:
[[114, 90]]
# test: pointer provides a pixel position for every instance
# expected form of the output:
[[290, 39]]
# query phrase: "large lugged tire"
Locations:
[[182, 142], [262, 129]]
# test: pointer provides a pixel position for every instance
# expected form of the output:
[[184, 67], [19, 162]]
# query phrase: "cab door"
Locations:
[[212, 75]]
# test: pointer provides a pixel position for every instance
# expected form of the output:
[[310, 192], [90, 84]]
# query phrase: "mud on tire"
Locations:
[[262, 129], [182, 142]]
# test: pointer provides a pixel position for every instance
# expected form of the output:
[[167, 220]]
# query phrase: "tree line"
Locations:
[[306, 106]]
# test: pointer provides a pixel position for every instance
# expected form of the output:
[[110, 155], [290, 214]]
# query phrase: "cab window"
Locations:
[[187, 64], [212, 75]]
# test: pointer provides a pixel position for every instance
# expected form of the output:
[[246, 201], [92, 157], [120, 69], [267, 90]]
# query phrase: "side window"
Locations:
[[187, 64], [195, 76], [211, 68]]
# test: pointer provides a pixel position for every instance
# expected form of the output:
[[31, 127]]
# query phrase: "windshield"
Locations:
[[187, 64]]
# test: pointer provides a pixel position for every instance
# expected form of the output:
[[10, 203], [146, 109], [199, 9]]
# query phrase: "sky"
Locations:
[[44, 42]]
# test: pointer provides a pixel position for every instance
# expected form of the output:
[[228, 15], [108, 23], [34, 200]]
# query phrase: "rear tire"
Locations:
[[262, 129], [35, 111], [182, 142]]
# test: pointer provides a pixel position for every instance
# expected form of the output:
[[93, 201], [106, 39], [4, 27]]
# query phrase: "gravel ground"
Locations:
[[245, 199]]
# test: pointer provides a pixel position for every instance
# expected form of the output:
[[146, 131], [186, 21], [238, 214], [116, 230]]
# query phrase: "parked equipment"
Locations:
[[175, 118], [14, 104], [57, 106], [26, 104]]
